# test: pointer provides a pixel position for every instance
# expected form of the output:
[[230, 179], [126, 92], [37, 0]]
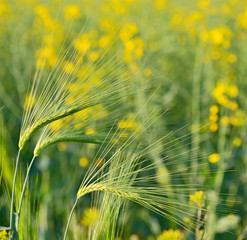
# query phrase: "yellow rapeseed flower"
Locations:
[[197, 199], [93, 56], [237, 142], [71, 12], [213, 127], [128, 124], [171, 234], [214, 109], [89, 131], [29, 101], [61, 146], [90, 216], [214, 158], [4, 235], [225, 120], [232, 90], [83, 161]]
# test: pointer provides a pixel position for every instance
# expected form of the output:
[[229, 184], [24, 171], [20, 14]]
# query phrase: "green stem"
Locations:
[[23, 189], [13, 192], [196, 110], [70, 215]]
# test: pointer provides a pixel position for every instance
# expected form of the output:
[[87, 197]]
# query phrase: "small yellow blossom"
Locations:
[[160, 4], [214, 158], [232, 58], [213, 127], [72, 12], [214, 109], [197, 199], [56, 125], [29, 101], [237, 142], [203, 4], [163, 176], [147, 72], [128, 124], [232, 91], [69, 67], [4, 235], [225, 121], [89, 131], [213, 118], [93, 56], [90, 216], [83, 162], [61, 146], [171, 234], [134, 237]]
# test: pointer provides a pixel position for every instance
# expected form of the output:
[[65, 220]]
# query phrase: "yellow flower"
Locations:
[[29, 101], [203, 4], [171, 234], [61, 146], [216, 36], [213, 118], [214, 158], [71, 12], [128, 124], [213, 127], [69, 67], [232, 58], [197, 199], [237, 142], [83, 162], [90, 216], [225, 120], [4, 235], [89, 131], [163, 176], [82, 44], [160, 4], [147, 72], [93, 56], [232, 91], [214, 109], [56, 125]]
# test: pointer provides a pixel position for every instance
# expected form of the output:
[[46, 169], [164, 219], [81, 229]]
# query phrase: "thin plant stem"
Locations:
[[24, 187], [70, 215], [13, 191]]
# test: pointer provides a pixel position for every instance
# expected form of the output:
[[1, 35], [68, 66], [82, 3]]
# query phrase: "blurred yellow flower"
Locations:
[[93, 56], [128, 124], [71, 12], [56, 125], [213, 127], [29, 101], [214, 109], [83, 162], [237, 142], [197, 199], [225, 121], [232, 91], [214, 158], [90, 216], [61, 146], [89, 131], [4, 235], [147, 72], [171, 234]]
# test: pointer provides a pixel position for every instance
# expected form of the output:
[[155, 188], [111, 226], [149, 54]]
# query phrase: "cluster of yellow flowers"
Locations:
[[197, 199], [171, 234]]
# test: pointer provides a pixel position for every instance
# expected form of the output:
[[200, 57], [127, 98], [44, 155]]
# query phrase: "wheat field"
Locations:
[[123, 119]]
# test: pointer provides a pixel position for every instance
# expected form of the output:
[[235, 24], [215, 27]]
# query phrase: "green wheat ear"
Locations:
[[101, 187]]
